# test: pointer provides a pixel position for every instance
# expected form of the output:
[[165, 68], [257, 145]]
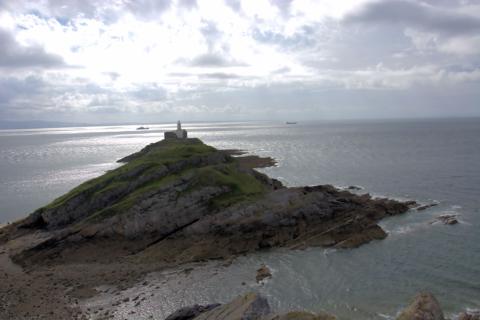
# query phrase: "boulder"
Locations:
[[262, 273], [448, 219], [423, 307]]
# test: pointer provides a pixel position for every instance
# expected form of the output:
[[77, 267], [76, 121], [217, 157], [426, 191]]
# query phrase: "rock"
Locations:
[[411, 204], [262, 273], [469, 316], [251, 306], [369, 233], [191, 312], [355, 188], [423, 307], [448, 219], [426, 206]]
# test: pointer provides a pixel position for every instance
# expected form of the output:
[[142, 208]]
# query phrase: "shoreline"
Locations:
[[113, 291]]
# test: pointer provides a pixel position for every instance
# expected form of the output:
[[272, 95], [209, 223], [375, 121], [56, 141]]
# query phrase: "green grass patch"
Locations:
[[242, 185], [161, 153]]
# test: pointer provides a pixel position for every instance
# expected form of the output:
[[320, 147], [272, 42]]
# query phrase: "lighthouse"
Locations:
[[177, 134]]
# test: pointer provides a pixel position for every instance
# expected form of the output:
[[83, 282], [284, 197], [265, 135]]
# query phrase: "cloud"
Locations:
[[281, 70], [233, 58], [149, 9], [211, 34], [13, 55], [235, 5], [213, 60], [11, 87], [220, 75], [441, 26], [283, 5], [149, 92], [418, 15], [304, 37], [189, 4]]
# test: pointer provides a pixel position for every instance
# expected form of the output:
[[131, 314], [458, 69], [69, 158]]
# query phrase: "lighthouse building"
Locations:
[[177, 134]]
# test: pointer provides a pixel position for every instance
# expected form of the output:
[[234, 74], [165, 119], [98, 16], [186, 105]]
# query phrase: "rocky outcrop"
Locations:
[[448, 219], [180, 200], [423, 307], [426, 206], [469, 316]]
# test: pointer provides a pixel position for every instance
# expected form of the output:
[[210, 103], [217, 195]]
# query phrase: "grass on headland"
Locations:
[[241, 185], [159, 154]]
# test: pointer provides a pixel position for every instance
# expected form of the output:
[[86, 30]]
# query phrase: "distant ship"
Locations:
[[143, 128], [290, 122]]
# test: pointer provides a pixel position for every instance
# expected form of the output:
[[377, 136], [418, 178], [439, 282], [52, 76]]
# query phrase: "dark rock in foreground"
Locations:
[[423, 307], [179, 201], [252, 306], [188, 313]]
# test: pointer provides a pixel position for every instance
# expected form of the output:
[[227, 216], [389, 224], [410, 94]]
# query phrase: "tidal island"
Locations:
[[180, 200]]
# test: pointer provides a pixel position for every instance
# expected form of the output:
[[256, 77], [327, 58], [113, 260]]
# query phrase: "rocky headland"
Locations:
[[174, 202], [181, 201]]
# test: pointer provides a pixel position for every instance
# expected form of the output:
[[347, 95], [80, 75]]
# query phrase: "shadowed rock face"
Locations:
[[179, 201]]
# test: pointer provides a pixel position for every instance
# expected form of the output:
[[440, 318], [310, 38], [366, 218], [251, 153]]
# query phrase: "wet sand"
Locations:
[[57, 291]]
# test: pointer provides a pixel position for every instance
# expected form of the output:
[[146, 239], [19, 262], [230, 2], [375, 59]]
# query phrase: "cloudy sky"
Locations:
[[145, 60]]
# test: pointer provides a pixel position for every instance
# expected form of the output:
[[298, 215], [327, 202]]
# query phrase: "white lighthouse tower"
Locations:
[[179, 131]]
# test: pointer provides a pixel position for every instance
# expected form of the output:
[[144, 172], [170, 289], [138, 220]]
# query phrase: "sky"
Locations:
[[207, 60]]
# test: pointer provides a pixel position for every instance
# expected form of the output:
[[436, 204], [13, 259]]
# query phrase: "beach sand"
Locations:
[[56, 291]]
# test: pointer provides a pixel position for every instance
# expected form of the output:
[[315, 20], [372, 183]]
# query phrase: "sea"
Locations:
[[428, 160]]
